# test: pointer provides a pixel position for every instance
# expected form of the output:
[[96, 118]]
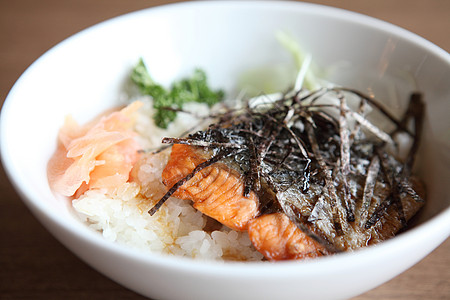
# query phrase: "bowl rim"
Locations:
[[208, 266]]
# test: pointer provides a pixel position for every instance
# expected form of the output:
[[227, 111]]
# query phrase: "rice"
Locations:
[[177, 228]]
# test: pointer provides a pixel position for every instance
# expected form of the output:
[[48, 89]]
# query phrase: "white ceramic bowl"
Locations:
[[86, 73]]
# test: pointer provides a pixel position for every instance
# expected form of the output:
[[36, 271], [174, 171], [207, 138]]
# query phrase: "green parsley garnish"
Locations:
[[167, 101]]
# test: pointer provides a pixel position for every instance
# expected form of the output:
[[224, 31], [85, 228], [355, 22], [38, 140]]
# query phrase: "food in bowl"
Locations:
[[282, 176], [183, 41]]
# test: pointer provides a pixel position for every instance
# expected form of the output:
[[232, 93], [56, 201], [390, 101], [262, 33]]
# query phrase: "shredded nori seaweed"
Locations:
[[297, 140]]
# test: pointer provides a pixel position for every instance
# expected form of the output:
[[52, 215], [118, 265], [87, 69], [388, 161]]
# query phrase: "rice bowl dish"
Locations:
[[154, 275], [263, 174]]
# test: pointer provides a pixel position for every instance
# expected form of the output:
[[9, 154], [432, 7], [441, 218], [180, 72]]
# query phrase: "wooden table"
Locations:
[[33, 265]]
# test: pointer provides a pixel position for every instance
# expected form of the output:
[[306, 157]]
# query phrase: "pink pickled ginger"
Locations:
[[100, 154]]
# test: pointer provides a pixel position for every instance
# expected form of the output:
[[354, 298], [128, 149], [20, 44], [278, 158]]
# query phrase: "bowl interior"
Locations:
[[88, 73]]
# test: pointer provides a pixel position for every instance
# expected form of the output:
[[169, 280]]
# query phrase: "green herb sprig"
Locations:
[[167, 101]]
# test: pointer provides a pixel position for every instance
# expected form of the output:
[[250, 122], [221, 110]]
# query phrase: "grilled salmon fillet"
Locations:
[[217, 191], [277, 238]]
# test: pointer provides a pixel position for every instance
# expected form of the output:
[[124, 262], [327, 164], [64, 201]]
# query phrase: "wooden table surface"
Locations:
[[33, 265]]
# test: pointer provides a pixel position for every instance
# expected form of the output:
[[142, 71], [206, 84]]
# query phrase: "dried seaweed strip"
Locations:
[[328, 118], [361, 120], [393, 199], [385, 167], [344, 196], [250, 132], [298, 142], [377, 105], [399, 206], [416, 109], [379, 212], [372, 128], [338, 218], [389, 178], [288, 117], [405, 187], [357, 126], [371, 179], [394, 179], [252, 178], [313, 96], [345, 157], [349, 202], [196, 142]]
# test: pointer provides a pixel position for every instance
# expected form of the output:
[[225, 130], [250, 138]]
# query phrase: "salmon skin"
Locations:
[[304, 181]]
